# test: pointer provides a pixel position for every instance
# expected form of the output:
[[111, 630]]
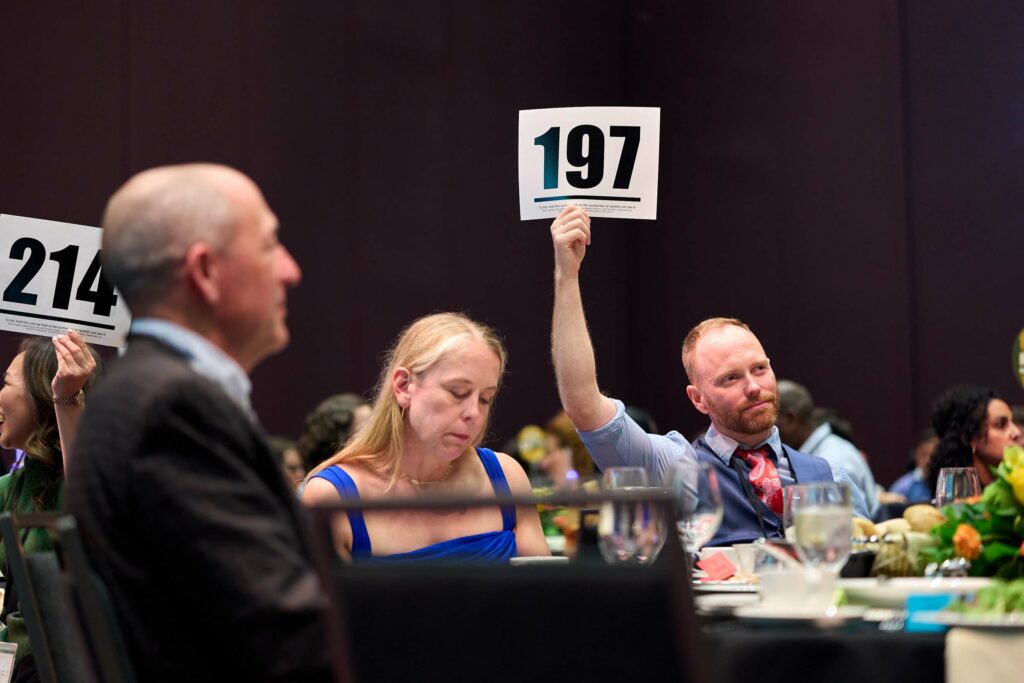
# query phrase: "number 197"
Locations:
[[593, 160]]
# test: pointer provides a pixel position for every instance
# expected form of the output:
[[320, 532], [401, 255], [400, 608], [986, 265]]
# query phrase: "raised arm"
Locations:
[[75, 364], [571, 348]]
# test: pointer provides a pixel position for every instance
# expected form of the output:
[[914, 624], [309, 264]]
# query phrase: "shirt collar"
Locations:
[[816, 437], [723, 446], [202, 356]]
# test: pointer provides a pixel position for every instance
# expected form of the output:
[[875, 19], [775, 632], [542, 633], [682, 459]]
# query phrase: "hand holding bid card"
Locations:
[[51, 279], [603, 159]]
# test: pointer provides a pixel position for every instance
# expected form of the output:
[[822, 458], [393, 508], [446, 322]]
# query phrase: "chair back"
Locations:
[[94, 608], [22, 586], [43, 600], [579, 621]]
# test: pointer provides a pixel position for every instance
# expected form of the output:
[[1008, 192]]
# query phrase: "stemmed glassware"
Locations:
[[698, 502], [956, 484], [822, 516], [629, 532], [823, 520]]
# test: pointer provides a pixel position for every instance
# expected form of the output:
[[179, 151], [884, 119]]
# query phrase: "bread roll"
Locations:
[[923, 517]]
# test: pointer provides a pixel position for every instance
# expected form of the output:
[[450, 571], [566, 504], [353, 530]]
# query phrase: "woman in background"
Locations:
[[41, 403], [430, 413], [974, 427]]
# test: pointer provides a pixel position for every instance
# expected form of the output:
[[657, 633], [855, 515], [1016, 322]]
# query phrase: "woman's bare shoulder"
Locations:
[[514, 473], [319, 489]]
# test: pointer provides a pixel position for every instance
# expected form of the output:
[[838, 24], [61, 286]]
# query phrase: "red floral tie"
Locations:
[[763, 477]]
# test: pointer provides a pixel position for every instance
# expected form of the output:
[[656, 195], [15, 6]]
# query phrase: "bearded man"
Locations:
[[731, 381]]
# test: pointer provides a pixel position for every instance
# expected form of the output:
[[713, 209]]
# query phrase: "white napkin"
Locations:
[[975, 656]]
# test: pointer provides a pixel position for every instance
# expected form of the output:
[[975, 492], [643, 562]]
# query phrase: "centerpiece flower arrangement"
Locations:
[[988, 531]]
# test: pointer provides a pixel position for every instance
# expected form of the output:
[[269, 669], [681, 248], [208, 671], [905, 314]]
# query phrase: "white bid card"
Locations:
[[604, 159], [51, 279]]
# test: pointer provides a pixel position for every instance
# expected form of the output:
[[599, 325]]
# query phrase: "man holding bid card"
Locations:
[[183, 510], [731, 381]]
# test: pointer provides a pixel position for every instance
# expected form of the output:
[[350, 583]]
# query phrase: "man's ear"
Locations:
[[200, 268], [401, 378], [696, 398]]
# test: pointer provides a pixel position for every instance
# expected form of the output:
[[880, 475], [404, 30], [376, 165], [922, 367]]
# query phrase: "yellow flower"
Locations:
[[967, 542], [1016, 479], [1013, 456]]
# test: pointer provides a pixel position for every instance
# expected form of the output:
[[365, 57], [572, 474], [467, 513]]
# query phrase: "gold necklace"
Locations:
[[431, 482]]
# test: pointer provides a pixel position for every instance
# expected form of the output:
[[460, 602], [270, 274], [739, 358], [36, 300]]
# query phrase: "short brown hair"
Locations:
[[694, 335]]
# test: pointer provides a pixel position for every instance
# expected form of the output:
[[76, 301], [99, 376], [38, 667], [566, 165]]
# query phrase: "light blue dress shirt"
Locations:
[[842, 454], [622, 442], [203, 357]]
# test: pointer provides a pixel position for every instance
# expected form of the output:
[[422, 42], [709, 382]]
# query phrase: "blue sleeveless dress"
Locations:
[[491, 546]]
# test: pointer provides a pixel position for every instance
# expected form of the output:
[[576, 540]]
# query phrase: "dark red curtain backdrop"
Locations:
[[846, 176]]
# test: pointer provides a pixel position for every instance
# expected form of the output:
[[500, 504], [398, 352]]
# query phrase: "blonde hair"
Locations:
[[418, 348], [694, 335]]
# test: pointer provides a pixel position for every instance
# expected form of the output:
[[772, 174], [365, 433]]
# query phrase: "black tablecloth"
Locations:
[[740, 652]]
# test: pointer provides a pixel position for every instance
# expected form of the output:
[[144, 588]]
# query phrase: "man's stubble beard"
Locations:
[[738, 422]]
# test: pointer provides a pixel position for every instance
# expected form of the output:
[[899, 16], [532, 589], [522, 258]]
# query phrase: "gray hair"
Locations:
[[150, 223], [794, 398]]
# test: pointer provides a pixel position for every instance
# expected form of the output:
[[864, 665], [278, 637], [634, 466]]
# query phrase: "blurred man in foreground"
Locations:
[[183, 510]]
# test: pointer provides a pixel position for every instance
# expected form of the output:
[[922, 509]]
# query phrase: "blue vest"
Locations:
[[740, 522]]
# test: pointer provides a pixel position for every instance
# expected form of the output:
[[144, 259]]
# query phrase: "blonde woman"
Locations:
[[430, 413]]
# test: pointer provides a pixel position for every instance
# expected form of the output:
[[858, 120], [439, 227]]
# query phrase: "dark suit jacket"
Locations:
[[190, 522]]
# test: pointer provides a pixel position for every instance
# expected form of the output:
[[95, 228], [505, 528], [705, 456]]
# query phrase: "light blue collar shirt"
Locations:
[[203, 357], [723, 446]]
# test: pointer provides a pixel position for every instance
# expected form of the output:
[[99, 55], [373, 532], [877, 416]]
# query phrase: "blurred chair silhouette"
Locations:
[[42, 596], [580, 621], [94, 609]]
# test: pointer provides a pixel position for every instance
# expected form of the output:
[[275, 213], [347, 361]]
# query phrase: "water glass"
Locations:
[[698, 502], [629, 532], [823, 521], [955, 484]]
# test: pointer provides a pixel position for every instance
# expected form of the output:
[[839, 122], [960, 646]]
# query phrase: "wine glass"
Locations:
[[698, 502], [823, 520], [955, 484], [629, 532]]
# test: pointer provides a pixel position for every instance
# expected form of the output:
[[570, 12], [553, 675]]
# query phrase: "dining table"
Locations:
[[586, 619], [740, 651]]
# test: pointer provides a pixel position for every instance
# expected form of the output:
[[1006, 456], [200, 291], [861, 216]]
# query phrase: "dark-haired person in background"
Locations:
[[800, 430], [329, 427], [974, 427], [288, 458]]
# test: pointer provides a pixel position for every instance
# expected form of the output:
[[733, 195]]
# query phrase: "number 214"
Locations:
[[101, 295], [593, 160]]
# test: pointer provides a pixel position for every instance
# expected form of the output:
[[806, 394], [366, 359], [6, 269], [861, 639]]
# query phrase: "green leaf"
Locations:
[[997, 551], [998, 498], [935, 553]]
